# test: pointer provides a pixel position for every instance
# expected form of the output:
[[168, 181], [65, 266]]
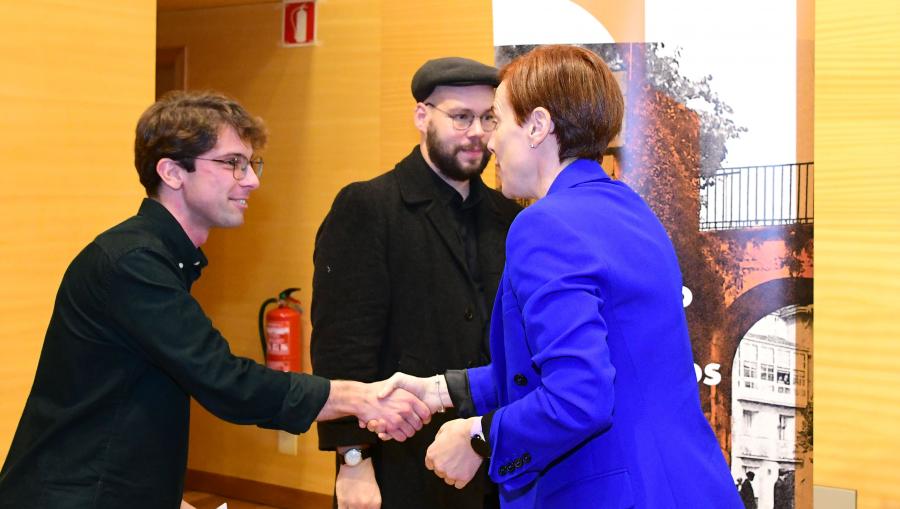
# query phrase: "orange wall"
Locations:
[[857, 290], [337, 112], [75, 80]]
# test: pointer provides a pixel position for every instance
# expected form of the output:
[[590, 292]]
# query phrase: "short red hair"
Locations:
[[579, 91]]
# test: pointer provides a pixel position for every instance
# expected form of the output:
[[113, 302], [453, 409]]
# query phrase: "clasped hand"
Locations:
[[395, 414], [450, 457], [427, 390]]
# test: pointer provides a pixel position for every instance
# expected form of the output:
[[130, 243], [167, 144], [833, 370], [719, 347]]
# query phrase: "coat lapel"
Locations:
[[417, 188]]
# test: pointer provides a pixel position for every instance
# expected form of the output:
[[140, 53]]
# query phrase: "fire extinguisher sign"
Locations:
[[299, 27]]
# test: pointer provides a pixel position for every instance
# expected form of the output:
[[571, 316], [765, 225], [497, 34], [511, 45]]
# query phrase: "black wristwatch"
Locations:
[[355, 456], [480, 446]]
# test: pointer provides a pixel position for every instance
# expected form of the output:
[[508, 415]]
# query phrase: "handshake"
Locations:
[[398, 407]]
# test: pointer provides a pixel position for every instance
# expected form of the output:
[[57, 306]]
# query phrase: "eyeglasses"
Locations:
[[239, 165], [463, 121]]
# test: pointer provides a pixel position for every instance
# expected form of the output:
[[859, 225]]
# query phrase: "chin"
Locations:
[[232, 223]]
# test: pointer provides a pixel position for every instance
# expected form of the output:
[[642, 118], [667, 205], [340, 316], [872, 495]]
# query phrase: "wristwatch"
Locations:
[[480, 446], [354, 456]]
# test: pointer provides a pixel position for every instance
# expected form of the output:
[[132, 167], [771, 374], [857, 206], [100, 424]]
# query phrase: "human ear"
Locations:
[[170, 172], [541, 125], [420, 117]]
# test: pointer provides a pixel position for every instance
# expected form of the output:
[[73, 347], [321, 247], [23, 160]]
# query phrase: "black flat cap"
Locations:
[[451, 71]]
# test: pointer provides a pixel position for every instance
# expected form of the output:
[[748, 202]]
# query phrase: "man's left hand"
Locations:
[[451, 456]]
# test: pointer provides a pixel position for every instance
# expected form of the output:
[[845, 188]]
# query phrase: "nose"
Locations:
[[476, 129], [490, 144], [251, 179]]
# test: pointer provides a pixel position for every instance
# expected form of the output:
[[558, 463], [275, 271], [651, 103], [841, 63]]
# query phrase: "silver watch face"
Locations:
[[353, 457]]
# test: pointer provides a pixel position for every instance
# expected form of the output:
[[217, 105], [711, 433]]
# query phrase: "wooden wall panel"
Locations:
[[857, 292], [76, 76]]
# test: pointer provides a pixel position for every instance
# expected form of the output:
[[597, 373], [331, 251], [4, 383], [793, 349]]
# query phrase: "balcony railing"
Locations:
[[753, 196]]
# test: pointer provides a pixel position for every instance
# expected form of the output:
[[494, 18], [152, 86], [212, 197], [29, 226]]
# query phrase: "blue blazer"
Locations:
[[592, 384]]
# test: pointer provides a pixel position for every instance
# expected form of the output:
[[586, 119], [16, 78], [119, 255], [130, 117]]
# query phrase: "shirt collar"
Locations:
[[448, 195], [190, 258]]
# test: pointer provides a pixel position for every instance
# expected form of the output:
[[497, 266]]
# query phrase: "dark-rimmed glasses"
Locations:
[[239, 165], [463, 121]]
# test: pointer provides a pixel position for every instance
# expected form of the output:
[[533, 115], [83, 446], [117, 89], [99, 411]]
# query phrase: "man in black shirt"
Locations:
[[406, 268], [106, 423]]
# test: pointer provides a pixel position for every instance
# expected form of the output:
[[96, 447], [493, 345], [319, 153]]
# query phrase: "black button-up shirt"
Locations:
[[463, 214], [106, 423]]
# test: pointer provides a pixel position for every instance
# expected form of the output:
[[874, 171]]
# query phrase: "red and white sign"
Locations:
[[299, 28]]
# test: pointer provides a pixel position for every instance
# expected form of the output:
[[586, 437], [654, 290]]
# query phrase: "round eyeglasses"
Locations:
[[463, 121], [239, 165]]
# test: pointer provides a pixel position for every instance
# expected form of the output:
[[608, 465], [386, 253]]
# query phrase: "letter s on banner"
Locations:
[[709, 374], [713, 377]]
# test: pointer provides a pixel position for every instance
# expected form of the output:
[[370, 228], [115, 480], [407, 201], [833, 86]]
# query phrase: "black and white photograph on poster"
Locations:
[[717, 139], [772, 407]]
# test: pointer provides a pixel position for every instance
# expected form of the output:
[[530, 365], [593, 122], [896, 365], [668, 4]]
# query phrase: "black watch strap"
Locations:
[[480, 446]]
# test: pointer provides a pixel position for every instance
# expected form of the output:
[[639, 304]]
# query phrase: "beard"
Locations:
[[447, 162]]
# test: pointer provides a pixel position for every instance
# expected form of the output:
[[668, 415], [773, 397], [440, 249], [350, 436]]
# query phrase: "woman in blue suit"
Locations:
[[591, 399]]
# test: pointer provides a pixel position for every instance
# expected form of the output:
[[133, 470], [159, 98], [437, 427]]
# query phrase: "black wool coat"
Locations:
[[392, 292]]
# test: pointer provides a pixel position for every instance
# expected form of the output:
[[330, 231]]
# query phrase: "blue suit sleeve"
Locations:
[[557, 279], [482, 389]]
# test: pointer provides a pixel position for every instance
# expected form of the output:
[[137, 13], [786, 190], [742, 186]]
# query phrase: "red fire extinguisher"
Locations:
[[280, 332]]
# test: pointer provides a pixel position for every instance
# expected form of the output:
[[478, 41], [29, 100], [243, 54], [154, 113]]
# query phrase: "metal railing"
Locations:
[[753, 196]]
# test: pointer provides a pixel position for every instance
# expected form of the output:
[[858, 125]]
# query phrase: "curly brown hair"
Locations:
[[183, 125]]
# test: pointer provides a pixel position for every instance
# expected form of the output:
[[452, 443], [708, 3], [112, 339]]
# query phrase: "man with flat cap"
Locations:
[[406, 268]]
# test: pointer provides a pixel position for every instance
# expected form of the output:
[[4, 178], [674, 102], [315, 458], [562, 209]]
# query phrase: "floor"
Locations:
[[202, 500]]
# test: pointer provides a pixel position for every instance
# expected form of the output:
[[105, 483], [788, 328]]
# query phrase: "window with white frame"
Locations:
[[785, 427], [749, 421]]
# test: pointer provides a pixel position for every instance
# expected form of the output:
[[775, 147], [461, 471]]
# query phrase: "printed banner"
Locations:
[[718, 140]]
